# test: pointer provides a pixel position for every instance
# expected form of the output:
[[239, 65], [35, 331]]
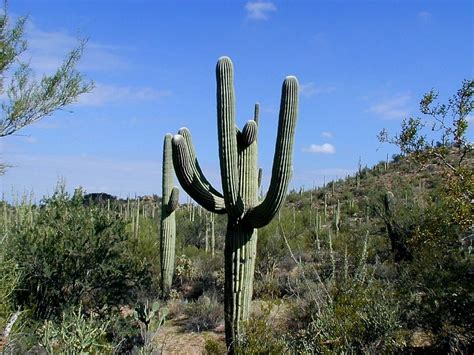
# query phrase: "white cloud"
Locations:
[[258, 10], [47, 50], [108, 94], [394, 108], [309, 89], [327, 134], [325, 148]]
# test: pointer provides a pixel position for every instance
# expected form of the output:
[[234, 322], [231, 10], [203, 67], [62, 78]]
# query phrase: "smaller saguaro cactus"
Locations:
[[337, 217], [394, 230], [169, 204], [325, 206]]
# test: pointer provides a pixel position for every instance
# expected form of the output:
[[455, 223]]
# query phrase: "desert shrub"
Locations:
[[151, 317], [261, 334], [340, 306], [198, 271], [358, 317], [9, 277], [214, 347], [75, 333], [70, 255], [124, 332], [204, 314], [144, 250]]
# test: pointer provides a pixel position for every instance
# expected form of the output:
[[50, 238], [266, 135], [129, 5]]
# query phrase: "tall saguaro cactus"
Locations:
[[169, 203], [239, 177]]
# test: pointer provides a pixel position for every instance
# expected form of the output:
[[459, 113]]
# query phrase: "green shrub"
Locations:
[[260, 335], [70, 255], [75, 334], [214, 347], [359, 317], [204, 314]]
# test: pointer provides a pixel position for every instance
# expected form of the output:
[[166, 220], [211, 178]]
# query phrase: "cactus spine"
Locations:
[[169, 203], [239, 177]]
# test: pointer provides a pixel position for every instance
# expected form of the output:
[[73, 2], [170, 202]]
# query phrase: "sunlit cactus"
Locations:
[[240, 184], [169, 204]]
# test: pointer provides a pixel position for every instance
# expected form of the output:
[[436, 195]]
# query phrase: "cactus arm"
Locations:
[[256, 113], [194, 161], [174, 199], [263, 213], [249, 133], [191, 182], [228, 152]]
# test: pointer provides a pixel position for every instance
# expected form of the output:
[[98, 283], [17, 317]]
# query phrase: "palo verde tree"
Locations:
[[28, 100], [446, 145], [239, 177]]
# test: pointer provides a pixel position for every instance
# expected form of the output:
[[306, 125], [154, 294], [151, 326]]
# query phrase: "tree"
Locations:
[[435, 286], [27, 100], [448, 149]]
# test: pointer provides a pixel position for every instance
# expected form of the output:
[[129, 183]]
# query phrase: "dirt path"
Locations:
[[171, 339]]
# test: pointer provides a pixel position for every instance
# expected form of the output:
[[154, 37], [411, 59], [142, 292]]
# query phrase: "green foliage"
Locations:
[[70, 255], [435, 288], [346, 310], [260, 335], [361, 317], [75, 334], [204, 314], [151, 318], [214, 347], [9, 279], [30, 100]]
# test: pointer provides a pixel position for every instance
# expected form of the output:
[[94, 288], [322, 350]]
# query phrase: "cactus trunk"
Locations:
[[240, 252], [240, 183], [168, 224]]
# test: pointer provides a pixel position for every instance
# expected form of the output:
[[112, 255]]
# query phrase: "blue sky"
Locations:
[[362, 66]]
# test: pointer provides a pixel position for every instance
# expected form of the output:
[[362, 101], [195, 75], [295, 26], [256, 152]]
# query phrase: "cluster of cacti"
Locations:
[[240, 179], [169, 203]]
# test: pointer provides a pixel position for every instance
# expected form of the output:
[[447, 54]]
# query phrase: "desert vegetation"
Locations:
[[380, 261]]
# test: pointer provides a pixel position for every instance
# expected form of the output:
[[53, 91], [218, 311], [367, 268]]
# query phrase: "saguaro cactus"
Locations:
[[394, 230], [239, 177], [169, 203]]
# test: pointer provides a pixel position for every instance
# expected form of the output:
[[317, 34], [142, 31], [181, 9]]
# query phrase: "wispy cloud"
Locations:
[[325, 148], [327, 134], [259, 10], [425, 16], [110, 94], [393, 108], [310, 89], [96, 174], [47, 50]]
